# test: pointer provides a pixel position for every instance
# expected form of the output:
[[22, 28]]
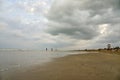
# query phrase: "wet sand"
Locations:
[[93, 66]]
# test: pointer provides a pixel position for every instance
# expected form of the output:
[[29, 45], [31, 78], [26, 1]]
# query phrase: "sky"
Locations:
[[60, 24]]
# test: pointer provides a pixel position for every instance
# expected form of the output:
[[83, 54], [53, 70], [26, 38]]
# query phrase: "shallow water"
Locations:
[[16, 59], [21, 58]]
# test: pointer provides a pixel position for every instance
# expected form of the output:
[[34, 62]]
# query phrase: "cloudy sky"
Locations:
[[63, 24]]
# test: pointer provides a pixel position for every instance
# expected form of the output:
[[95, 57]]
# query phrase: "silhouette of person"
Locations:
[[46, 49], [51, 49]]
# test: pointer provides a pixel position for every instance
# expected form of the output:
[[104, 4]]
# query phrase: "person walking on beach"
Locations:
[[51, 49], [46, 49]]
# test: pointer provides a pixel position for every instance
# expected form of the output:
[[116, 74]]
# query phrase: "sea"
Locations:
[[11, 60]]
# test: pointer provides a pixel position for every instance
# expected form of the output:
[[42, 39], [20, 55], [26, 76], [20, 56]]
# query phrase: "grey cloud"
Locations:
[[68, 20], [80, 18], [78, 32]]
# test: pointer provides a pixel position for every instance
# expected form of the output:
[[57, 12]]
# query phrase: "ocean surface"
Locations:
[[16, 59]]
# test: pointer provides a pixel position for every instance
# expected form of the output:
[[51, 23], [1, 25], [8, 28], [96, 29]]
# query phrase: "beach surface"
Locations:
[[92, 66]]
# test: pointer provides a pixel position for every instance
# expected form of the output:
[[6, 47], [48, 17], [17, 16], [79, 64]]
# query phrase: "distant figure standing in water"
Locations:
[[46, 49], [51, 49]]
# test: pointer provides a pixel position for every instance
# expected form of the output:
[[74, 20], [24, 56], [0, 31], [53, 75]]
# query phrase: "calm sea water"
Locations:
[[16, 59], [21, 58]]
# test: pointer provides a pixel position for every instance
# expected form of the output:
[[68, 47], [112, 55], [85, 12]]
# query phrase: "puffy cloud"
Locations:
[[94, 20], [75, 18], [71, 24], [78, 31]]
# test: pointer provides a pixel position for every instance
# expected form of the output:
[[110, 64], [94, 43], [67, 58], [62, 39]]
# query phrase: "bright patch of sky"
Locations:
[[26, 11]]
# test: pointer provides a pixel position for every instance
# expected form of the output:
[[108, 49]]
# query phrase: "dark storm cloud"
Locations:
[[80, 19]]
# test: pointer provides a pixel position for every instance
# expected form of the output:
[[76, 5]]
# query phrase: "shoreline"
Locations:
[[93, 66]]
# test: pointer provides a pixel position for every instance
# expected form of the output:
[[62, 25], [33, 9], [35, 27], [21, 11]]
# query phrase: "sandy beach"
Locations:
[[93, 66]]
